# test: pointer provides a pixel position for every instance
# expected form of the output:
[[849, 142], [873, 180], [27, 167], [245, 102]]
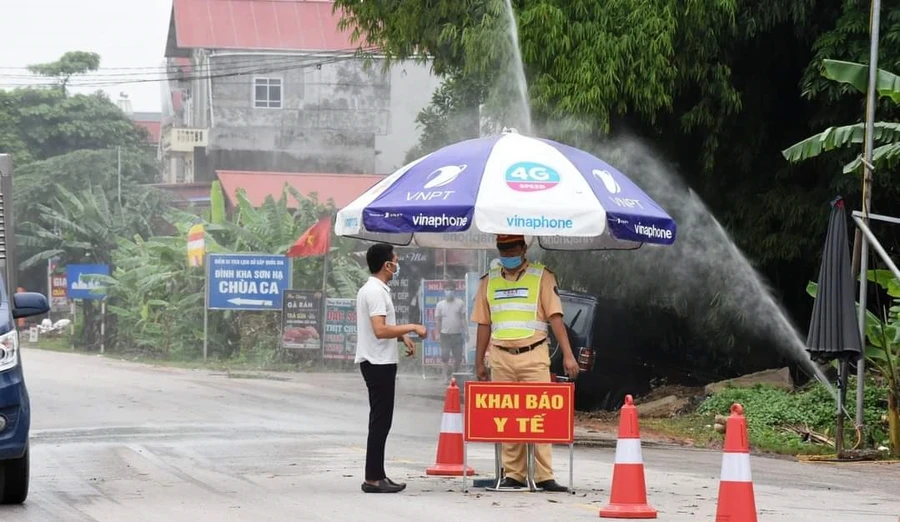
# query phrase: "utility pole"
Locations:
[[874, 26], [119, 173]]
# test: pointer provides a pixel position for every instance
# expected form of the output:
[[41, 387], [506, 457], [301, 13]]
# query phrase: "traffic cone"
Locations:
[[629, 491], [736, 500], [449, 462]]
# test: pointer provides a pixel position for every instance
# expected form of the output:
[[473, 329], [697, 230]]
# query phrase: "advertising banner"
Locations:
[[340, 329], [301, 320]]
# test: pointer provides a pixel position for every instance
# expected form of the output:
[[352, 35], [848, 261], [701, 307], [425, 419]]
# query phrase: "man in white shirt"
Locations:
[[377, 332], [450, 320]]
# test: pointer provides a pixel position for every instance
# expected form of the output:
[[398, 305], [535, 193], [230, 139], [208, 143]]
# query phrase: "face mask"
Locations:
[[396, 269], [448, 294], [511, 262]]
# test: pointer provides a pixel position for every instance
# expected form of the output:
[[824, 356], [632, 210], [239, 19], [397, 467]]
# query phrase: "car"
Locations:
[[15, 409]]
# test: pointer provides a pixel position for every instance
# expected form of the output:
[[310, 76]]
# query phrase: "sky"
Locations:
[[129, 35]]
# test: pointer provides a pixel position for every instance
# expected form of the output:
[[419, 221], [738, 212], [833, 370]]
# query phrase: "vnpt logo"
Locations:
[[526, 176], [538, 222], [351, 222], [443, 176], [440, 221], [437, 179], [652, 232], [612, 186]]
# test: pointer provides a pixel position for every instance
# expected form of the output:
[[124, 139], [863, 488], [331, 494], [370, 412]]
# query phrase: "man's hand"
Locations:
[[420, 330], [410, 346], [571, 366], [481, 371]]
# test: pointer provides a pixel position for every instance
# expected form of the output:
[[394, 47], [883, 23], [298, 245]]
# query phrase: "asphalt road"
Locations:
[[117, 441]]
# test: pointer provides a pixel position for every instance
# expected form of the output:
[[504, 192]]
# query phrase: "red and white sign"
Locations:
[[531, 413], [58, 286]]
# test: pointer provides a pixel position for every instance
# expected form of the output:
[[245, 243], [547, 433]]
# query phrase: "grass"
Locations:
[[769, 411]]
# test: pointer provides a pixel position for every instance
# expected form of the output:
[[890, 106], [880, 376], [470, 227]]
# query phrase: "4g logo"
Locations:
[[526, 176]]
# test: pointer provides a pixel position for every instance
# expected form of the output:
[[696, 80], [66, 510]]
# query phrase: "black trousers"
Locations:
[[381, 380]]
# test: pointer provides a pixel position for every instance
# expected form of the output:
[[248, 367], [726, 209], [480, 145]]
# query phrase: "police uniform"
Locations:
[[517, 305]]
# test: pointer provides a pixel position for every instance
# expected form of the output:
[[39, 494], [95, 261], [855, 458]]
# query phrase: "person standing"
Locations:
[[377, 356], [450, 322], [516, 304]]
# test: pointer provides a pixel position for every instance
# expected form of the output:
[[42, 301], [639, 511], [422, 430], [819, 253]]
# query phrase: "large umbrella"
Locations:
[[833, 330], [462, 195]]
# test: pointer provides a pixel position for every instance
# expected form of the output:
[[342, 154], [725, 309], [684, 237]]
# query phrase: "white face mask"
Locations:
[[396, 268], [448, 294]]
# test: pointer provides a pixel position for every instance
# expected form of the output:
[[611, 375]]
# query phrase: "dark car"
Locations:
[[609, 350]]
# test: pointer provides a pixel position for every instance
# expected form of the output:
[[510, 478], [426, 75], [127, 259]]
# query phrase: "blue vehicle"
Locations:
[[15, 410]]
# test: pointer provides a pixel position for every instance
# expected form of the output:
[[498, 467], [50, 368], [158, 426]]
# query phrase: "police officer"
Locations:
[[515, 304]]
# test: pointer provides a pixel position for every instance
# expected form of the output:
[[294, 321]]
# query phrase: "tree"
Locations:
[[887, 134], [70, 64]]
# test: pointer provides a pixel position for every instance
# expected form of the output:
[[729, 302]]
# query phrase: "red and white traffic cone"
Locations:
[[737, 502], [449, 462], [629, 490]]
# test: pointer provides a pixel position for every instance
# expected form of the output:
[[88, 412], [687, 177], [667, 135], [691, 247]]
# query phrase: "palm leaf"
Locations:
[[887, 84]]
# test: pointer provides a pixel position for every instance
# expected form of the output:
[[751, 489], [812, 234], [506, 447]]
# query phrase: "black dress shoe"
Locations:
[[382, 486], [551, 485], [512, 483], [399, 484]]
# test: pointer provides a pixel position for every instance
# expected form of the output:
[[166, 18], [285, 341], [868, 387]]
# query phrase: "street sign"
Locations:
[[247, 281], [82, 285], [528, 412]]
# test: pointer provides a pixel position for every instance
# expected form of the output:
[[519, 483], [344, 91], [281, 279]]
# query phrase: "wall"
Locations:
[[337, 117]]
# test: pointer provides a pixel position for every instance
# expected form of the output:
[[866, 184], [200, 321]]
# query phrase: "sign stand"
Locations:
[[205, 305], [481, 426]]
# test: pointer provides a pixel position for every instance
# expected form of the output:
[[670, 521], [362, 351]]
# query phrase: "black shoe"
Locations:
[[398, 484], [382, 486], [552, 485], [512, 483]]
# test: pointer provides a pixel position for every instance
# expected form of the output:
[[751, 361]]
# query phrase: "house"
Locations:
[[261, 86]]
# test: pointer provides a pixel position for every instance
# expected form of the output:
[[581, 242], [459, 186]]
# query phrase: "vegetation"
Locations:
[[772, 413]]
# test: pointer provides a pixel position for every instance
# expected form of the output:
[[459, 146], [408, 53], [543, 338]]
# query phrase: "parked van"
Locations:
[[15, 409]]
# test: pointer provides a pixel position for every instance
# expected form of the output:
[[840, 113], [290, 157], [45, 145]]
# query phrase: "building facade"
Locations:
[[276, 87]]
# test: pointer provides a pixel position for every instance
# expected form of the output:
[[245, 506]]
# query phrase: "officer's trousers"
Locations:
[[531, 366]]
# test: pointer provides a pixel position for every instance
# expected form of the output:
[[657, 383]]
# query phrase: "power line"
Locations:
[[267, 67]]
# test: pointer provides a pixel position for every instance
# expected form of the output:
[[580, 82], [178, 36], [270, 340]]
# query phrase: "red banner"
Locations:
[[531, 413]]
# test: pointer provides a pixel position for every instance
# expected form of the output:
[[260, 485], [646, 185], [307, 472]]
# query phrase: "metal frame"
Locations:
[[860, 218], [529, 479]]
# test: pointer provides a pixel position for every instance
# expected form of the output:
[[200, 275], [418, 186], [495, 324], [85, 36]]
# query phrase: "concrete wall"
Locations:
[[336, 117]]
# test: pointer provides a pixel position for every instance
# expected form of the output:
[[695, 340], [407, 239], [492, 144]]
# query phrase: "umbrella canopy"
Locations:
[[462, 195], [833, 330]]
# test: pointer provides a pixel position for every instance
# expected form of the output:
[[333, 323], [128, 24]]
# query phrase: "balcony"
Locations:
[[178, 139]]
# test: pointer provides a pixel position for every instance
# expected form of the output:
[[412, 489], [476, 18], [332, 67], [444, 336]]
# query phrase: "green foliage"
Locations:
[[37, 124], [886, 134], [768, 409], [70, 64], [157, 298]]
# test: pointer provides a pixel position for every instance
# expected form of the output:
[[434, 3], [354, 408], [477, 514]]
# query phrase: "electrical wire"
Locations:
[[276, 64]]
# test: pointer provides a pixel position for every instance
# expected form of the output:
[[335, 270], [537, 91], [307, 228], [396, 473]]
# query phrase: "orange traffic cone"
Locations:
[[736, 499], [449, 461], [629, 491]]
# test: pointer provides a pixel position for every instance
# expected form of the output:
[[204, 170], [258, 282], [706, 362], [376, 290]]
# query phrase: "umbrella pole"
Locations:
[[843, 368]]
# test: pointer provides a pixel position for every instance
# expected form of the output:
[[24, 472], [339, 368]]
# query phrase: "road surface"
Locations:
[[118, 441]]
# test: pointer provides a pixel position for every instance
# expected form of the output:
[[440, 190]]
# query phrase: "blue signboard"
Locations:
[[81, 285], [247, 281]]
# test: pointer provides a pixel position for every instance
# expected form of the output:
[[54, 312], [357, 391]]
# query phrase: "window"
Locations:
[[267, 93]]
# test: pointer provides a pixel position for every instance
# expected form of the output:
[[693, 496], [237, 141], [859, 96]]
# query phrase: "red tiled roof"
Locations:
[[342, 188], [297, 25], [153, 127]]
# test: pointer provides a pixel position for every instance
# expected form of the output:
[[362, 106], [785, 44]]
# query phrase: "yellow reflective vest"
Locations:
[[514, 304]]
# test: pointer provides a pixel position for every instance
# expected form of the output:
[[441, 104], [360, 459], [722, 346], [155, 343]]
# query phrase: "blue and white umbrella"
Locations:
[[464, 194]]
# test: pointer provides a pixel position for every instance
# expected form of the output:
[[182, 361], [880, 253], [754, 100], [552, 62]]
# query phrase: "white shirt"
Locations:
[[374, 298], [452, 315]]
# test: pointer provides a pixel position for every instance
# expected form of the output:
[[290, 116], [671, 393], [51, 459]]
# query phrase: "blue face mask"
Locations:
[[511, 263]]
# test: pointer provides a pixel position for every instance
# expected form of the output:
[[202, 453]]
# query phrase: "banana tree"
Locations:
[[886, 135], [883, 348]]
